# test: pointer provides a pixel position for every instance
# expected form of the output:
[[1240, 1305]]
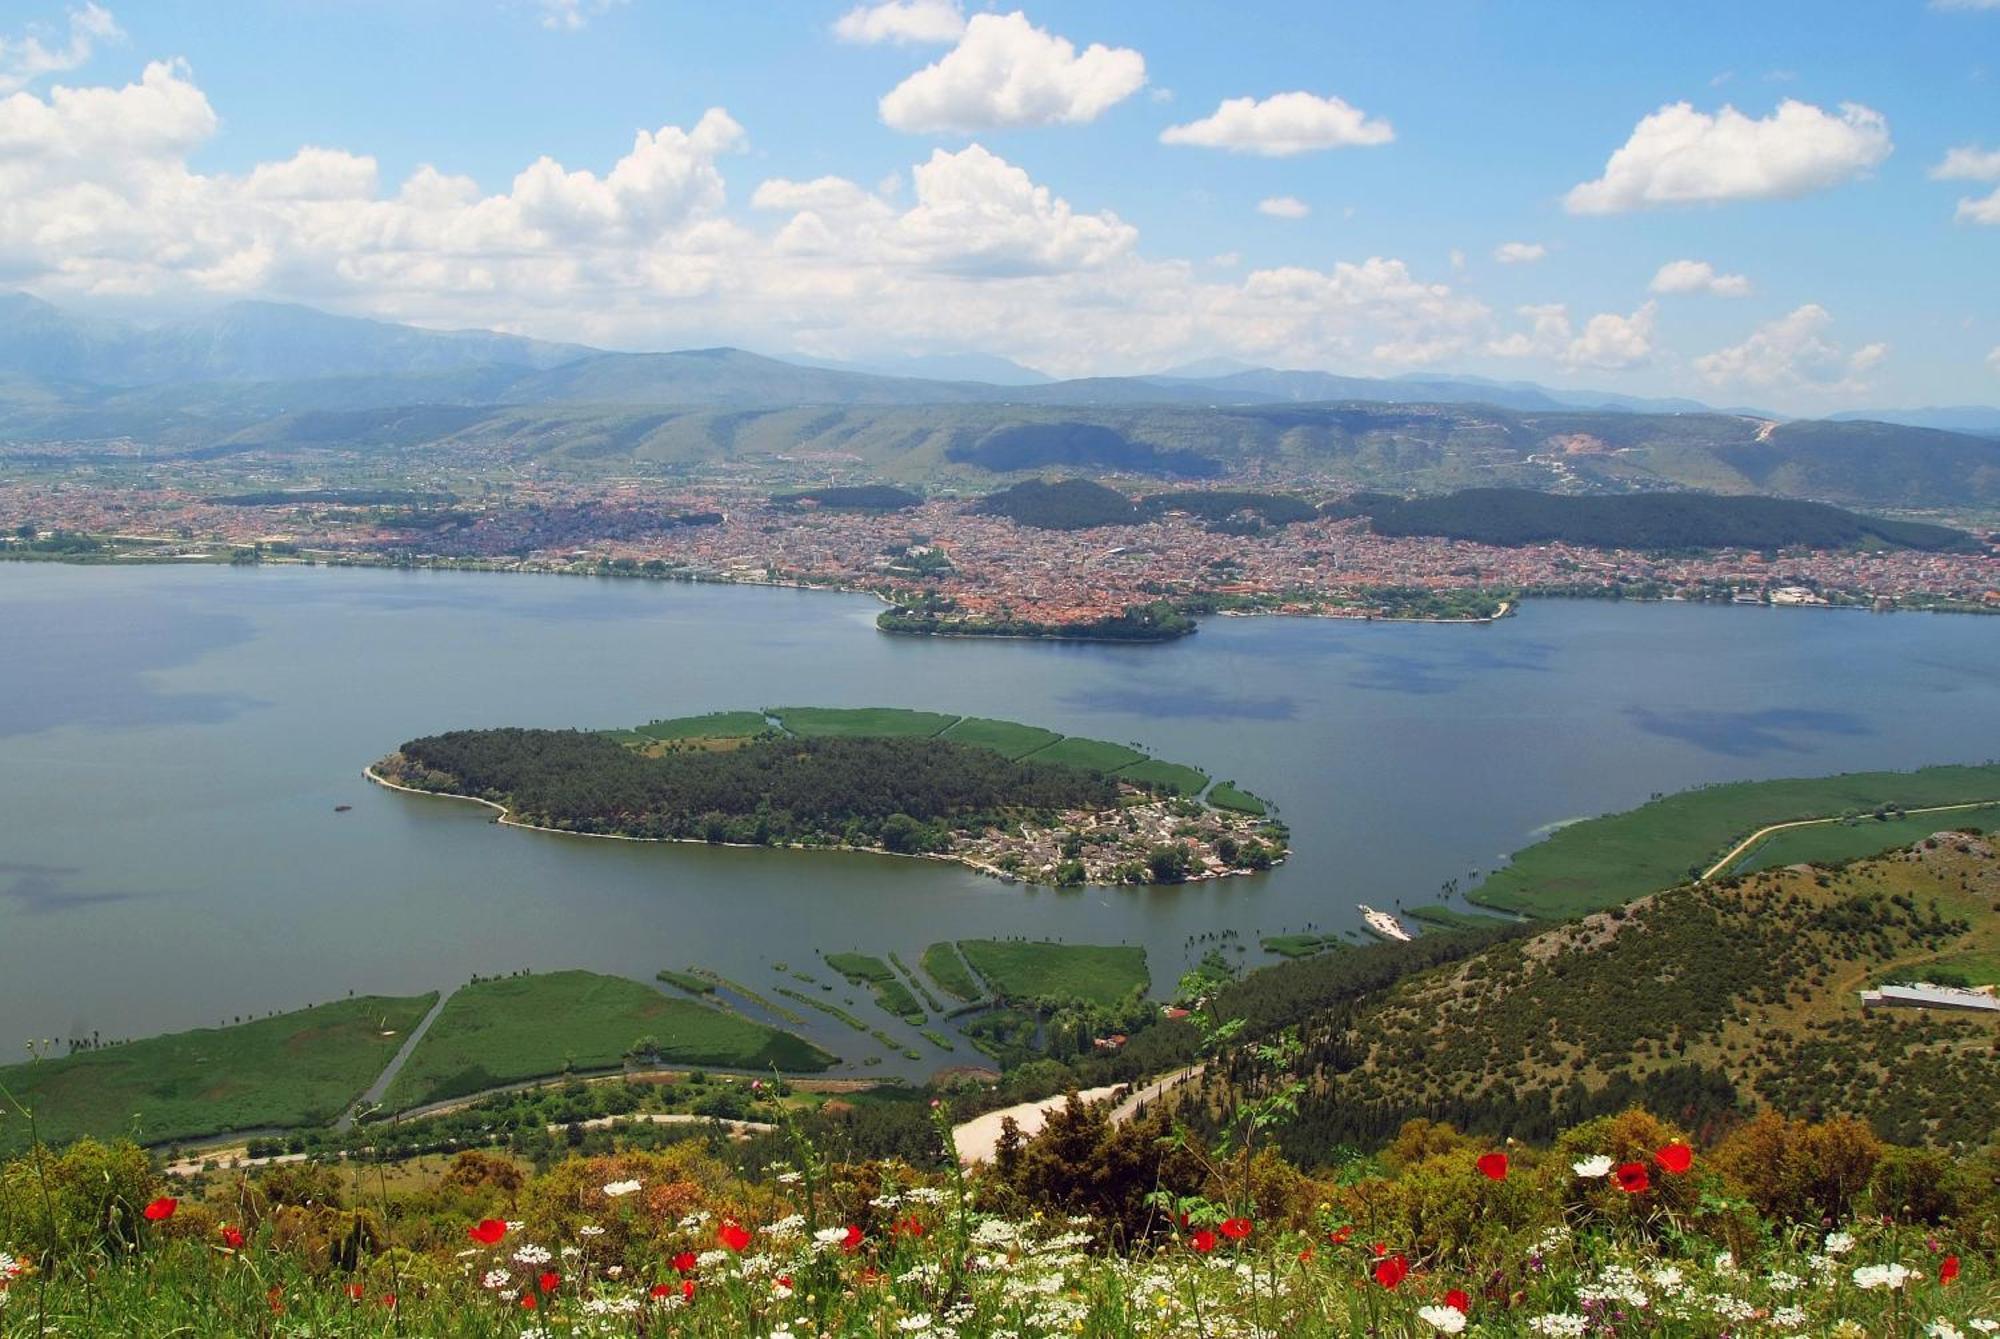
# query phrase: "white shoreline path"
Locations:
[[1743, 847], [979, 1138]]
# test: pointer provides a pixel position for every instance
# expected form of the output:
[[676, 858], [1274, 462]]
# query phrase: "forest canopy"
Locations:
[[1662, 521], [903, 794]]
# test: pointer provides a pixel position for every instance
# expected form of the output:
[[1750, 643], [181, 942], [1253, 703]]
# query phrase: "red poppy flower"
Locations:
[[733, 1236], [1391, 1271], [354, 1292], [1675, 1157], [275, 1299], [910, 1227], [1379, 1249], [161, 1209], [1457, 1300], [528, 1302], [1306, 1256], [1632, 1178], [1340, 1234], [487, 1231], [1202, 1242], [232, 1237], [784, 1280], [663, 1289], [389, 1301], [1493, 1166], [1236, 1229], [852, 1241], [687, 1290], [684, 1263], [549, 1281], [1948, 1269]]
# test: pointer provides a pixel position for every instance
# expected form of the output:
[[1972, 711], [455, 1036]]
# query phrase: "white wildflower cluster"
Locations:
[[1592, 1168], [1891, 1276], [620, 1189], [1616, 1284], [495, 1279], [1443, 1319], [1561, 1324], [528, 1254], [784, 1229]]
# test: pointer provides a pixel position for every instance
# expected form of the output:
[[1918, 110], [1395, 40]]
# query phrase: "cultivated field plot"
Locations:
[[861, 722], [942, 964], [1826, 843], [525, 1027], [1173, 776], [1005, 737], [1092, 754], [1025, 970], [715, 725], [300, 1068], [1603, 862], [1228, 795]]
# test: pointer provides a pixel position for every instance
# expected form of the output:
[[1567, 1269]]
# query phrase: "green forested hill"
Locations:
[[1705, 1002], [1515, 516]]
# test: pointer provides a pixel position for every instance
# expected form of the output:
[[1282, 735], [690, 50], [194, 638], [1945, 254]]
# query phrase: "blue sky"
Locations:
[[1842, 270]]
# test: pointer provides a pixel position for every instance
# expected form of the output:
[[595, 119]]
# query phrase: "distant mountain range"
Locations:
[[266, 377]]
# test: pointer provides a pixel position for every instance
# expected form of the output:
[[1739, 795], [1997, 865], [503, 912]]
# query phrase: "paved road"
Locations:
[[976, 1140], [1761, 833]]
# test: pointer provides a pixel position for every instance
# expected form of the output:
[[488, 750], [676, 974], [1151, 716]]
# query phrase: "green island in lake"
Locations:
[[1012, 800]]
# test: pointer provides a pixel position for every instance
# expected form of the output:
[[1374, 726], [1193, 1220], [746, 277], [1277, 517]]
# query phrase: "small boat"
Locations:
[[342, 808], [1383, 925]]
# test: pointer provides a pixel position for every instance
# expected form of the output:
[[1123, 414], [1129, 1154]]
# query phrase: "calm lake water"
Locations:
[[173, 743]]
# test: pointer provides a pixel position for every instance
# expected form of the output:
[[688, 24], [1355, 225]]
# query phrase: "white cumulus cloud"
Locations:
[[27, 58], [1608, 342], [1969, 162], [1281, 125], [1007, 72], [1284, 207], [1519, 253], [1792, 352], [1993, 358], [99, 195], [1698, 276], [1680, 156], [570, 15], [905, 22]]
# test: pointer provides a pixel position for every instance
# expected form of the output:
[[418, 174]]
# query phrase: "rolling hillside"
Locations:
[[1705, 1002]]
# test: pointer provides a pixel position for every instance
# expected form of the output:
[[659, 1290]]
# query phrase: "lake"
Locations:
[[174, 741]]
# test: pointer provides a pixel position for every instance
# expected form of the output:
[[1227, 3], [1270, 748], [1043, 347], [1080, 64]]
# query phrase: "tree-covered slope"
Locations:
[[1670, 521], [1706, 1002]]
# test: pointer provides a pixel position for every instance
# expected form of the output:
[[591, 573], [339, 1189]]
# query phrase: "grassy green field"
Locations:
[[524, 1027], [861, 967], [1227, 795], [855, 722], [299, 1068], [715, 725], [1180, 779], [1978, 967], [1603, 862], [878, 976], [1094, 754], [1009, 738], [688, 981], [1102, 974], [1831, 842], [942, 964], [1299, 946], [1449, 918]]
